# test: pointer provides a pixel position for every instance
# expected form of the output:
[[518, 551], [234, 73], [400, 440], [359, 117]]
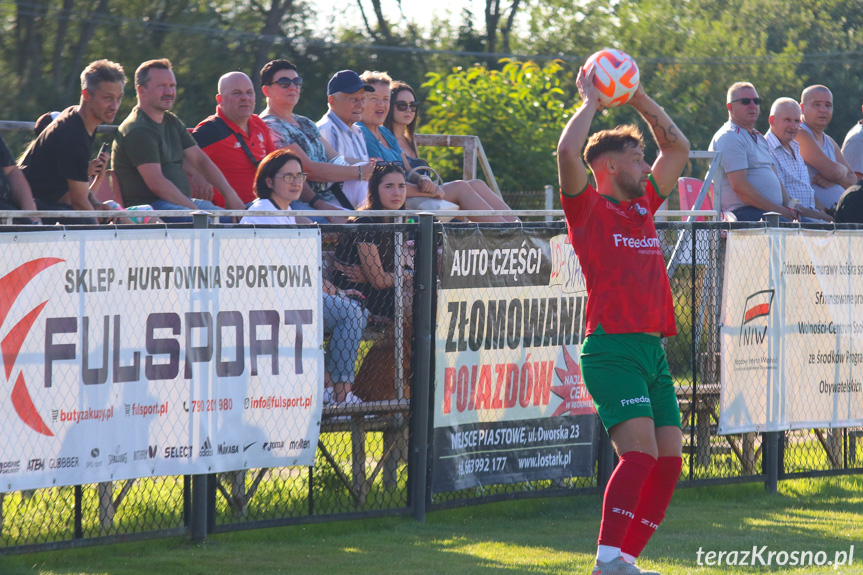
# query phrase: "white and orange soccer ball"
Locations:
[[616, 77]]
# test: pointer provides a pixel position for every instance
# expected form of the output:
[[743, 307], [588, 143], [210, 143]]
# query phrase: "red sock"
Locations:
[[622, 495], [654, 500]]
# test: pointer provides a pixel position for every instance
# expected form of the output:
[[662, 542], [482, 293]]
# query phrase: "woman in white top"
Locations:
[[278, 182]]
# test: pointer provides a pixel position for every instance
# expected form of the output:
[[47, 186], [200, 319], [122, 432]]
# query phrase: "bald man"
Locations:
[[235, 138], [784, 119], [829, 171]]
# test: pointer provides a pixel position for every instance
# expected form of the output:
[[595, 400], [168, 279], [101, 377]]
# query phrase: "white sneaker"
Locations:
[[351, 399], [618, 566], [328, 396]]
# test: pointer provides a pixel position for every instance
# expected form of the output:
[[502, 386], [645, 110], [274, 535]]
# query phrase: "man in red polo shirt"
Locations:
[[235, 138], [629, 310]]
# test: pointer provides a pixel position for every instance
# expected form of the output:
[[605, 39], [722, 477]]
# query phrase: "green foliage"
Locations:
[[517, 112]]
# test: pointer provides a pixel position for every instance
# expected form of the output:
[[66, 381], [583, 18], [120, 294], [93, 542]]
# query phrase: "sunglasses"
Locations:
[[381, 166], [291, 178], [403, 106], [747, 101], [286, 82]]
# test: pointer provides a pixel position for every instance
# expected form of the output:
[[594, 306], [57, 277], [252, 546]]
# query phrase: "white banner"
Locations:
[[138, 353], [792, 331]]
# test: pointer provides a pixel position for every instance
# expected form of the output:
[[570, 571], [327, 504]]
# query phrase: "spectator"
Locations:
[[346, 98], [366, 260], [381, 143], [14, 190], [235, 138], [278, 182], [852, 148], [849, 209], [402, 121], [829, 171], [784, 124], [281, 85], [750, 186], [57, 163], [152, 145], [44, 121]]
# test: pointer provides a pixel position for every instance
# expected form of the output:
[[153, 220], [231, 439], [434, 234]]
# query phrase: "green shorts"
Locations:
[[627, 376]]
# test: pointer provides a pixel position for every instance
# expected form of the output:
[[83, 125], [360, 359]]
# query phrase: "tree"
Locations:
[[518, 113]]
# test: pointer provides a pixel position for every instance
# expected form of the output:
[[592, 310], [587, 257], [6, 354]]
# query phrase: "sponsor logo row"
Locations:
[[96, 460]]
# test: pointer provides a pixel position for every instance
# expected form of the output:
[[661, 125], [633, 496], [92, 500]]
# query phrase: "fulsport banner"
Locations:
[[510, 403], [792, 330], [136, 353]]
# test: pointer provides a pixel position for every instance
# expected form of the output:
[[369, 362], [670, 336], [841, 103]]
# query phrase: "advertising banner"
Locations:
[[135, 353], [792, 331], [510, 403]]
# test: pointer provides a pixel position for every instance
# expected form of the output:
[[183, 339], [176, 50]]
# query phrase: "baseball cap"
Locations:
[[347, 81]]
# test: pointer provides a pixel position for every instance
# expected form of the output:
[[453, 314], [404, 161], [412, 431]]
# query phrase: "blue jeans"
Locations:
[[751, 214], [345, 319], [202, 205]]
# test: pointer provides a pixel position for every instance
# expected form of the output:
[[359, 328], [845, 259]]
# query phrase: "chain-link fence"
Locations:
[[367, 462]]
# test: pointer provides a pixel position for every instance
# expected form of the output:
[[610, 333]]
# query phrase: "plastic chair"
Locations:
[[688, 189]]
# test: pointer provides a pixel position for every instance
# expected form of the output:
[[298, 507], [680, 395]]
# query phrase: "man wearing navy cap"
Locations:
[[346, 96]]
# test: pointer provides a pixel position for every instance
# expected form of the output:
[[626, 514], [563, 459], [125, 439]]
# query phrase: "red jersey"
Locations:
[[621, 258], [219, 141]]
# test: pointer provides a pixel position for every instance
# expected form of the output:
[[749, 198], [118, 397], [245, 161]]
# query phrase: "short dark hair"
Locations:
[[269, 167], [270, 68], [142, 74], [616, 140], [101, 71]]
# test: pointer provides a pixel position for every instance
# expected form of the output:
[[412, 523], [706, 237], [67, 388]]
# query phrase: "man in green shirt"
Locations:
[[152, 146]]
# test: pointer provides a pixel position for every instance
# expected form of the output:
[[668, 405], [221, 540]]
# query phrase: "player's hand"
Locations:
[[638, 97], [586, 87]]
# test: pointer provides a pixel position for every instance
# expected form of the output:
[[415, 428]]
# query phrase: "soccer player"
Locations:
[[629, 310]]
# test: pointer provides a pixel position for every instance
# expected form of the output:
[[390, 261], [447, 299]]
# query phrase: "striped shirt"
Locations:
[[792, 170], [347, 140]]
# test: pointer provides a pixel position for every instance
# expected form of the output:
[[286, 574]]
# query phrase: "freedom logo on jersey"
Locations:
[[636, 243]]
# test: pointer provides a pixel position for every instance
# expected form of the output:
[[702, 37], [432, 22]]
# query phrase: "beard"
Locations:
[[633, 188]]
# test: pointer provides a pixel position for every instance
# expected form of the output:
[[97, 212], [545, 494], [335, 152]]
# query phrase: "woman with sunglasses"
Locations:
[[366, 260], [401, 121], [278, 182], [281, 84]]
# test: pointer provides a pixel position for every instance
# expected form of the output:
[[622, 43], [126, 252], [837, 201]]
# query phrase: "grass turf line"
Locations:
[[547, 537]]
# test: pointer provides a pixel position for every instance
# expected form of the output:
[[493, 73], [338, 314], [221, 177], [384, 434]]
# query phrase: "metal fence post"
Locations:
[[420, 391], [200, 483], [549, 201], [770, 463]]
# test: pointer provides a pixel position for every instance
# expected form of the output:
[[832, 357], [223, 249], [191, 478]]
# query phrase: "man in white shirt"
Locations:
[[750, 186], [785, 117], [346, 97]]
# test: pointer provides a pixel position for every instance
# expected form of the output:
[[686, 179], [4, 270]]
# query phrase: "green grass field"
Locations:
[[546, 536]]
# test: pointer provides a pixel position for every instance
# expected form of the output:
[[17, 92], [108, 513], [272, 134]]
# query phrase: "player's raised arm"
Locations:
[[673, 145], [572, 172]]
